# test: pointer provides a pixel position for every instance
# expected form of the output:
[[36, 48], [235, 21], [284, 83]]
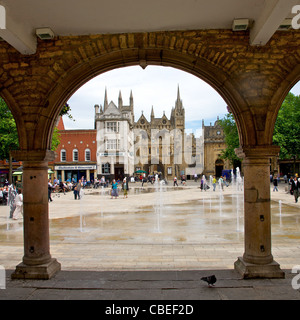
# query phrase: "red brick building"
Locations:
[[75, 155]]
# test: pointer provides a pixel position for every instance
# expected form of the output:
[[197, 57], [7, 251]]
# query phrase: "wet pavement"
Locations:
[[154, 233]]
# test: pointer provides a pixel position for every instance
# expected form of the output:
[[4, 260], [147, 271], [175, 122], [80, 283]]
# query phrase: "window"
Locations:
[[112, 126], [87, 155], [106, 168], [75, 155], [63, 155], [112, 144]]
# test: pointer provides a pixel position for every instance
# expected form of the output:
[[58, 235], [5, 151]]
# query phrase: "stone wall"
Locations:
[[252, 80]]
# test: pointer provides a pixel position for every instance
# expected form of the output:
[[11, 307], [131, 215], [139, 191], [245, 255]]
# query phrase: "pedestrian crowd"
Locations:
[[293, 184], [58, 186], [12, 197]]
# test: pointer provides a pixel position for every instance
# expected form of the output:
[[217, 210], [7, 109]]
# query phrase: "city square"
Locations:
[[156, 229], [90, 244]]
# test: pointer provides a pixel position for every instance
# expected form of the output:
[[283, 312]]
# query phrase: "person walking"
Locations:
[[221, 183], [78, 187], [275, 183], [144, 179], [114, 191], [12, 193], [125, 187], [75, 192], [290, 184], [295, 188], [19, 205], [183, 179], [214, 182], [175, 182], [225, 182], [50, 188], [195, 177], [202, 184]]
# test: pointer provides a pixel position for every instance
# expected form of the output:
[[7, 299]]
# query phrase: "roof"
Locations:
[[60, 125], [112, 109], [72, 17]]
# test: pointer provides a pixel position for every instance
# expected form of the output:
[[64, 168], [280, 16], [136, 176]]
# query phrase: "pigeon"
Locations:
[[211, 280]]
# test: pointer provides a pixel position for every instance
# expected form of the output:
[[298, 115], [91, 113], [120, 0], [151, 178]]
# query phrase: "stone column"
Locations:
[[87, 174], [37, 261], [257, 261]]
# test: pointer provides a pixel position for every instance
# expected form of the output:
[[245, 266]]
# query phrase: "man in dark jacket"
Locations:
[[295, 188], [275, 183]]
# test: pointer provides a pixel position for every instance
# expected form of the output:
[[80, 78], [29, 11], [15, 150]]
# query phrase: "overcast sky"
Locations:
[[155, 86]]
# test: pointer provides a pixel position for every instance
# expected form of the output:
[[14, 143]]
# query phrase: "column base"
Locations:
[[39, 272], [252, 271]]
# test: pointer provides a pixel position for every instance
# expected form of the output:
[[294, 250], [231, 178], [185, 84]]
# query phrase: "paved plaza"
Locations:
[[158, 239]]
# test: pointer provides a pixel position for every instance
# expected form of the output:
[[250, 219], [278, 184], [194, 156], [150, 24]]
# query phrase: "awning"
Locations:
[[19, 173]]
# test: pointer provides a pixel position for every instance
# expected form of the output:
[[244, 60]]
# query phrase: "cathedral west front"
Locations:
[[156, 145]]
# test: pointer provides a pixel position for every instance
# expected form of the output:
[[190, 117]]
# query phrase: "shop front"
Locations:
[[74, 173]]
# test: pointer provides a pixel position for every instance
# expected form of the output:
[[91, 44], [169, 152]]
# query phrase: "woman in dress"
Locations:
[[114, 191], [19, 205], [125, 187]]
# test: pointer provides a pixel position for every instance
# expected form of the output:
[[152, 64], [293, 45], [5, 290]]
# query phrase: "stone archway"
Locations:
[[252, 80]]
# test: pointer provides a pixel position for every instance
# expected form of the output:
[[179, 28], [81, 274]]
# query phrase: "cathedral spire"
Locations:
[[120, 100], [178, 102], [131, 101], [131, 98], [178, 93], [152, 113], [105, 100]]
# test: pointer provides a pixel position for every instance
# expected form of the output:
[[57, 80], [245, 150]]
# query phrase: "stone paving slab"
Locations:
[[149, 285], [158, 270]]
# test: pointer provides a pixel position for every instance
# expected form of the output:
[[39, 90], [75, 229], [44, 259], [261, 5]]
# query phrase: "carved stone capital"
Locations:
[[33, 155], [257, 152]]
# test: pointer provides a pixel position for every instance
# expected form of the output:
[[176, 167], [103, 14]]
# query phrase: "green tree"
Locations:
[[8, 135], [231, 139], [287, 128], [66, 111], [286, 131], [8, 131], [9, 139], [55, 139]]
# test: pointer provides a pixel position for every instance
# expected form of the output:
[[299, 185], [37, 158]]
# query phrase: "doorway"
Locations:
[[119, 172], [219, 167]]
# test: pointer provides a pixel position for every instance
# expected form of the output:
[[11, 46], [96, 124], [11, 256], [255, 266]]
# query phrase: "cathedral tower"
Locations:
[[179, 113]]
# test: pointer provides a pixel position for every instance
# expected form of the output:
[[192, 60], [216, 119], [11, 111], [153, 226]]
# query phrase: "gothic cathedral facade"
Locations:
[[159, 145]]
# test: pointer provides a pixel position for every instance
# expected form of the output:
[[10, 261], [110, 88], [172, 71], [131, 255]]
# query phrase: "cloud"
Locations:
[[296, 89], [155, 86]]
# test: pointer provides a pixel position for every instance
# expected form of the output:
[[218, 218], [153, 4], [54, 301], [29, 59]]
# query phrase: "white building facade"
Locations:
[[115, 140]]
